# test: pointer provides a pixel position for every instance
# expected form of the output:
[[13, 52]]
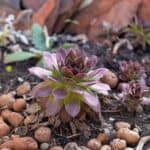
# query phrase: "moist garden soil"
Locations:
[[10, 80]]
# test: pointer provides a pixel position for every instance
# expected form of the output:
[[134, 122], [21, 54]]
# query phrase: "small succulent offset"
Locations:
[[69, 82], [131, 70], [132, 95]]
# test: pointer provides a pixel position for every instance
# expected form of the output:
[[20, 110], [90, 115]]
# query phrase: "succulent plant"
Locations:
[[132, 95], [69, 82], [131, 70]]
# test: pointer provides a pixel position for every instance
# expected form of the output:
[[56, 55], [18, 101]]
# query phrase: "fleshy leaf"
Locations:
[[40, 72], [59, 93], [100, 88], [73, 108], [92, 101], [50, 60], [53, 107], [38, 37], [41, 90], [19, 56]]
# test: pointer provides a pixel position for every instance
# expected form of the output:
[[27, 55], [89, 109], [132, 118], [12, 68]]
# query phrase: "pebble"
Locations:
[[122, 124], [4, 128], [43, 134], [102, 138], [118, 144], [130, 136], [6, 100], [94, 144], [23, 88], [19, 105], [72, 146], [56, 148], [44, 146], [15, 119]]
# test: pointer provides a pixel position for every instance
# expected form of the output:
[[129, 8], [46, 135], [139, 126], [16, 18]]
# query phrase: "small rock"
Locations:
[[94, 144], [129, 148], [43, 134], [110, 78], [103, 138], [19, 105], [105, 147], [25, 143], [23, 88], [6, 100], [29, 119], [84, 148], [5, 114], [72, 146], [130, 136], [118, 144], [122, 124], [8, 144], [14, 119], [56, 148], [44, 146], [4, 128]]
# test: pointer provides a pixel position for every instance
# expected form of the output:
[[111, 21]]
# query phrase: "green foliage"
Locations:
[[19, 56], [142, 35], [38, 37]]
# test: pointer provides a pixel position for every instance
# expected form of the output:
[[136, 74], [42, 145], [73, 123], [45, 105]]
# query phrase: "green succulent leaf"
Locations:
[[19, 56], [38, 37]]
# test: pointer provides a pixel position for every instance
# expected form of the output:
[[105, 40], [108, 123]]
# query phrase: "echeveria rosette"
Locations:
[[69, 81], [132, 70], [132, 95]]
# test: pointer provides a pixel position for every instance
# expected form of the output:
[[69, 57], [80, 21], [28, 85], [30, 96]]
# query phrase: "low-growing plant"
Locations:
[[69, 82], [131, 70], [132, 95], [141, 35], [41, 42]]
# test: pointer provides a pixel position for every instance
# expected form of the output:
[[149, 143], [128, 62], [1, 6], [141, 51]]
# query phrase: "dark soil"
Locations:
[[9, 81]]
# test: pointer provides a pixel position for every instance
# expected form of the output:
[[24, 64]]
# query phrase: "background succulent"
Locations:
[[69, 81]]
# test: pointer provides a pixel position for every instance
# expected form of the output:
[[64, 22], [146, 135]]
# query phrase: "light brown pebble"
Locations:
[[23, 88], [71, 146], [4, 128], [94, 144], [129, 148], [8, 144], [56, 148], [130, 136], [122, 124], [15, 119], [84, 148], [110, 78], [118, 144], [6, 100], [43, 134], [25, 143], [5, 114], [19, 105], [44, 146], [103, 138], [106, 147], [29, 119]]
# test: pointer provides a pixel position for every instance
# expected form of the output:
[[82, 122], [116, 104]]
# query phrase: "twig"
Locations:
[[142, 142]]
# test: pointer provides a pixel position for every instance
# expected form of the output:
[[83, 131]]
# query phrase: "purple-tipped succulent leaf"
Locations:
[[100, 88], [73, 108], [41, 90], [53, 107], [92, 101], [50, 60], [40, 72]]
